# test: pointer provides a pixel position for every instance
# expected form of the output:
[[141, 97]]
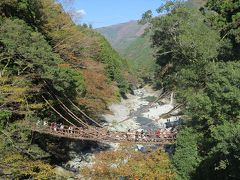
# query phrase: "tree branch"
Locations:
[[18, 148], [2, 72]]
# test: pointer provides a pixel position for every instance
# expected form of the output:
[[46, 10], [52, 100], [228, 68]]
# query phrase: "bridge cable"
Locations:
[[57, 111], [65, 108], [84, 114], [69, 112]]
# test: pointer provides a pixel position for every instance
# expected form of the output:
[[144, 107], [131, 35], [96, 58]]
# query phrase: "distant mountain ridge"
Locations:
[[121, 35], [127, 39]]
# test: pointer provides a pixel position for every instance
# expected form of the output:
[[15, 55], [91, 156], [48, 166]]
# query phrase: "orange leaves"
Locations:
[[130, 164], [67, 39], [65, 65], [78, 46], [99, 89], [105, 166]]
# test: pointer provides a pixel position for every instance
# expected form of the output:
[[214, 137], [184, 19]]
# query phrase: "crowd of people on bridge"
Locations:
[[105, 134], [146, 135]]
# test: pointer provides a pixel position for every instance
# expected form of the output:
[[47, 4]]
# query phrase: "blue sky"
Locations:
[[101, 13]]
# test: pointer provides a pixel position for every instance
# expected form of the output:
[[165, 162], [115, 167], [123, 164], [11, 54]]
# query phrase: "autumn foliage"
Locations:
[[127, 163], [45, 59]]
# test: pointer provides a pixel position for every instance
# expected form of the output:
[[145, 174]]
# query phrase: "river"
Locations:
[[133, 112]]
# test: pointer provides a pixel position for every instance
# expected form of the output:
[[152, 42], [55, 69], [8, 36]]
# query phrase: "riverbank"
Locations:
[[132, 113]]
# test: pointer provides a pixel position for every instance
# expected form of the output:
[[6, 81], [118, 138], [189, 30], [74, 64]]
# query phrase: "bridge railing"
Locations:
[[100, 134]]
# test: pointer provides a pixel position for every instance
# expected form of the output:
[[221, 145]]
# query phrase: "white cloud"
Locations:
[[80, 13]]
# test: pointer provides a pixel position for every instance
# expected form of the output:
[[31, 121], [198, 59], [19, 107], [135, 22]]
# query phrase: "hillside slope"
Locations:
[[127, 39], [51, 71], [121, 35]]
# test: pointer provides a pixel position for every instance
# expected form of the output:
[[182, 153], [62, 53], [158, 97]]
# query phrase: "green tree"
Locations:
[[28, 10], [187, 158], [222, 161], [27, 64], [181, 38], [211, 94], [189, 51], [225, 16]]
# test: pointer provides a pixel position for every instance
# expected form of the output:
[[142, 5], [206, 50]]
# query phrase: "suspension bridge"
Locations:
[[98, 132], [106, 136]]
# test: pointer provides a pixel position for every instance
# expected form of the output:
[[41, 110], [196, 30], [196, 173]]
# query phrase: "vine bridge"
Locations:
[[106, 136], [98, 132]]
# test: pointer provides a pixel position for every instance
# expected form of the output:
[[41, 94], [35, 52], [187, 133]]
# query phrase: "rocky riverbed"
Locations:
[[135, 113]]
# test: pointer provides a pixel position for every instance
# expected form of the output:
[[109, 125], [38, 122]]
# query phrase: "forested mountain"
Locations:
[[128, 40], [47, 60], [121, 35], [140, 58]]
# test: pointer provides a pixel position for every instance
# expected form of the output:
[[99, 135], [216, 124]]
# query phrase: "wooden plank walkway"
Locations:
[[106, 136]]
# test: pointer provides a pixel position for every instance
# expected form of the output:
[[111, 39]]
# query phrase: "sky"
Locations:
[[102, 13]]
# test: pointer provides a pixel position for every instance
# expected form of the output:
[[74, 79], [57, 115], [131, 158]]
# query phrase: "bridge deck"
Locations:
[[105, 136]]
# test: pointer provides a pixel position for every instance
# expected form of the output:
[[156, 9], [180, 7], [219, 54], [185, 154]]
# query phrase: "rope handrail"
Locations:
[[84, 114], [103, 135]]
